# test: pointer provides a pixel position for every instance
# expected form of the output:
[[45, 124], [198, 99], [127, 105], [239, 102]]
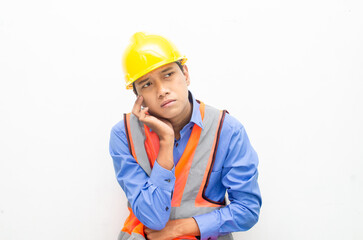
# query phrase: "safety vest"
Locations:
[[189, 191]]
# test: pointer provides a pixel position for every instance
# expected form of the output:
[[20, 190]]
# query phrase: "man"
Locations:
[[176, 157]]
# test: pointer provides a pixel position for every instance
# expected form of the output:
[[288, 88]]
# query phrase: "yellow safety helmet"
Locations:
[[145, 53]]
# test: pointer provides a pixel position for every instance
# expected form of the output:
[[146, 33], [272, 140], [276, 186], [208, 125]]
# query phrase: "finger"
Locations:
[[145, 111], [137, 106], [143, 114]]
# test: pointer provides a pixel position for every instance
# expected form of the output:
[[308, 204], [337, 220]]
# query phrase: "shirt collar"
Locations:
[[196, 117]]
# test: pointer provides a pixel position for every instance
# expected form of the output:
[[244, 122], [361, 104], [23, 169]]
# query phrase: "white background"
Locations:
[[290, 71]]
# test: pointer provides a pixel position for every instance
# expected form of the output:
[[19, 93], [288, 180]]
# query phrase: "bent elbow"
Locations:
[[252, 222], [249, 219], [152, 220]]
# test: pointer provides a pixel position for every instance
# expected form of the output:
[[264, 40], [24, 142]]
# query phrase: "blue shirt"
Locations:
[[234, 171]]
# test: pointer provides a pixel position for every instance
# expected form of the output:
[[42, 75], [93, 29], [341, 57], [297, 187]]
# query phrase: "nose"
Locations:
[[162, 89]]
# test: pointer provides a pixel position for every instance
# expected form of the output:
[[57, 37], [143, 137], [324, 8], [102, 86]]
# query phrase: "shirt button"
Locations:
[[166, 209], [167, 180], [176, 145]]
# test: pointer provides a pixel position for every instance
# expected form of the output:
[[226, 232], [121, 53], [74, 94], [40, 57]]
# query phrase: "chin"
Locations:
[[169, 114]]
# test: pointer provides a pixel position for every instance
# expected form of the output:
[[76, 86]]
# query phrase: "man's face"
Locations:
[[165, 91]]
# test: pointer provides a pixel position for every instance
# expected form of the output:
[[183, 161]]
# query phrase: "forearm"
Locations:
[[148, 196], [243, 211], [152, 205], [232, 218], [175, 229], [165, 155], [186, 227]]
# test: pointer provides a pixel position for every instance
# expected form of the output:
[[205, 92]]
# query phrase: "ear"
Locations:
[[186, 74]]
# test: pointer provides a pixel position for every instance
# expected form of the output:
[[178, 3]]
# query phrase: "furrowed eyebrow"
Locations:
[[165, 70], [142, 81]]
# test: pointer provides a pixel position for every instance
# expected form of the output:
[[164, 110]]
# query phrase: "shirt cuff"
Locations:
[[163, 178], [209, 230]]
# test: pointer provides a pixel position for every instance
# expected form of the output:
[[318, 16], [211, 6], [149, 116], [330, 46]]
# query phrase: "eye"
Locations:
[[146, 85], [169, 74]]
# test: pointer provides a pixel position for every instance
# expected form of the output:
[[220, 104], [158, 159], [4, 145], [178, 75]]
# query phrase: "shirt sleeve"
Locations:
[[150, 197], [239, 177]]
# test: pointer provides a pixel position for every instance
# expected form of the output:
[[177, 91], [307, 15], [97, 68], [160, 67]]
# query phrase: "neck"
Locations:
[[178, 124]]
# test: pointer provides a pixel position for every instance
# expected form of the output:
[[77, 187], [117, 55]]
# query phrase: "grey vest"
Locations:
[[205, 148]]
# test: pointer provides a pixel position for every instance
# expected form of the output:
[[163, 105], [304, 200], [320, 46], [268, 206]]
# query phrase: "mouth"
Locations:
[[167, 103]]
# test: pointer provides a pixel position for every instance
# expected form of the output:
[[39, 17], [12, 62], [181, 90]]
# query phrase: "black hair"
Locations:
[[180, 65]]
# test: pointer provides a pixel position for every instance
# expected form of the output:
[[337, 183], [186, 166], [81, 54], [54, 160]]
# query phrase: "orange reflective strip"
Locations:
[[186, 237], [139, 229], [132, 224], [129, 135], [183, 167], [200, 201], [201, 108], [152, 145]]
